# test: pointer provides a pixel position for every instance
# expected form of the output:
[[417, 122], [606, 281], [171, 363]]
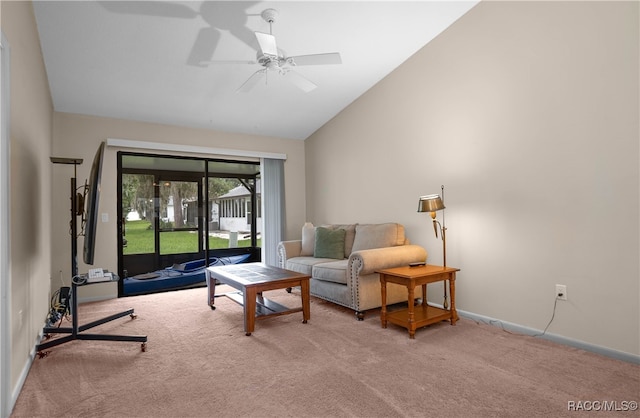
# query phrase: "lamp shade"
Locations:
[[430, 203]]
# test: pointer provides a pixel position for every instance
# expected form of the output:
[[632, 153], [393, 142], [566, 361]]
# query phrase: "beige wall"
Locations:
[[527, 112], [30, 194], [78, 136]]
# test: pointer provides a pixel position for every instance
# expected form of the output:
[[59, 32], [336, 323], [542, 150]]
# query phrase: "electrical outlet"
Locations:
[[561, 292]]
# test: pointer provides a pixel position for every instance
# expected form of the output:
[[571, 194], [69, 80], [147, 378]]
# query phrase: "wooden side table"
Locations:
[[414, 317]]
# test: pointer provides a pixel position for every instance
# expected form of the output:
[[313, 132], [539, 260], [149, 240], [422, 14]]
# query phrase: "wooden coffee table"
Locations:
[[414, 317], [251, 279]]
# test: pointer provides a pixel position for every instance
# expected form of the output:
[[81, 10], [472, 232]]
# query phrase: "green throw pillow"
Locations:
[[329, 243]]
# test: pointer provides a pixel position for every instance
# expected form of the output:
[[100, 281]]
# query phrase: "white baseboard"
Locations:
[[508, 326], [24, 373]]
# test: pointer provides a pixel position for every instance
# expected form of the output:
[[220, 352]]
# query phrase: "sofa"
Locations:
[[342, 261]]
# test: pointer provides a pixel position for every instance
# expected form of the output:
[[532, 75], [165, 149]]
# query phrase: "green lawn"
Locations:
[[140, 240]]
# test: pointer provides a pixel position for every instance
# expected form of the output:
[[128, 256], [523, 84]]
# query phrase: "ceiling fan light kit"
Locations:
[[273, 59]]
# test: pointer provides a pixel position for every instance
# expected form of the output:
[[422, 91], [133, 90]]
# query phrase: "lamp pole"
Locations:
[[444, 233], [445, 304], [433, 203]]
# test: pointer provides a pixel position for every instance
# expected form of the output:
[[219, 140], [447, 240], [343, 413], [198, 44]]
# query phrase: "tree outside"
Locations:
[[138, 197]]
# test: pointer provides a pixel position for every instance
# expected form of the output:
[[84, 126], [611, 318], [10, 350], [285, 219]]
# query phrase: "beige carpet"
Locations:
[[199, 363]]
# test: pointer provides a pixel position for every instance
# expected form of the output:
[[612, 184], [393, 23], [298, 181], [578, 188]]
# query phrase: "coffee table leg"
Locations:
[[306, 307], [211, 287], [249, 310]]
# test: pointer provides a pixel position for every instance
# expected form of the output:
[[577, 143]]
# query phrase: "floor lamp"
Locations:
[[433, 203]]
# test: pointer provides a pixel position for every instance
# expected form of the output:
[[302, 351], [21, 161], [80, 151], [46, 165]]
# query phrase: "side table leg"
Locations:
[[383, 311], [411, 319], [452, 295]]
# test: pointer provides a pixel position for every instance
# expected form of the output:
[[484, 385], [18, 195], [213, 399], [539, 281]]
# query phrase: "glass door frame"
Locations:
[[230, 169]]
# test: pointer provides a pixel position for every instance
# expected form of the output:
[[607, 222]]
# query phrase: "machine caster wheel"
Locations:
[[213, 308], [43, 354], [143, 347], [360, 316], [288, 290], [133, 316]]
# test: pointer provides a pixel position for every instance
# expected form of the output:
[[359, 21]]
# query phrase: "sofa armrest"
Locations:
[[287, 250], [368, 261]]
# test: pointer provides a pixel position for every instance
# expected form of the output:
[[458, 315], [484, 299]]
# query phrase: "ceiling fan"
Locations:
[[273, 60]]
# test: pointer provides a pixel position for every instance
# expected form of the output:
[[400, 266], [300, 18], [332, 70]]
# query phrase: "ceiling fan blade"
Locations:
[[316, 59], [204, 47], [232, 62], [267, 43], [301, 82], [252, 81]]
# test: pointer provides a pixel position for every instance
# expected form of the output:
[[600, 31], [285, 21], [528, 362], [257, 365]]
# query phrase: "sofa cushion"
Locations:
[[378, 236], [329, 243], [349, 236], [308, 239], [305, 265], [332, 271]]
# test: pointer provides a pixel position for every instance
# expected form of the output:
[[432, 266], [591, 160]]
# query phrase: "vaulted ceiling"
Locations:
[[182, 63]]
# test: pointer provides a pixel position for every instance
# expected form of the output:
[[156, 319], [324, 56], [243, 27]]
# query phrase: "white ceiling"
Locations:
[[142, 60]]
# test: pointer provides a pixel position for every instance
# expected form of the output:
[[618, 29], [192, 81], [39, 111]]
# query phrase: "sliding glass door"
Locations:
[[176, 213]]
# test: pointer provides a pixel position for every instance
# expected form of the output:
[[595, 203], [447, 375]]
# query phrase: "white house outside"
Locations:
[[232, 211]]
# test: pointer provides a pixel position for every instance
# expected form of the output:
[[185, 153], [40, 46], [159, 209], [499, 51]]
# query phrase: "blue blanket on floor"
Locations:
[[176, 276]]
